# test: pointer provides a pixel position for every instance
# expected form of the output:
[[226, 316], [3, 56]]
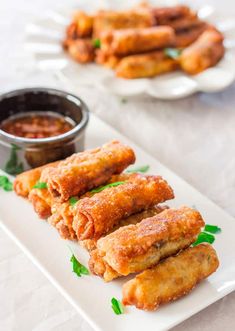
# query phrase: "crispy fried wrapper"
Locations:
[[115, 20], [84, 171], [80, 27], [95, 216], [62, 213], [42, 202], [171, 279], [145, 65], [204, 53], [186, 37], [91, 244], [81, 50], [132, 41], [134, 248], [25, 181]]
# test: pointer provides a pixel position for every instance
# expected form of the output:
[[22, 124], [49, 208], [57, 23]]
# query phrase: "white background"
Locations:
[[195, 137]]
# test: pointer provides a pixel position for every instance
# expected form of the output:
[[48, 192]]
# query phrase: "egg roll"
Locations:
[[62, 213], [82, 172], [108, 60], [106, 20], [25, 181], [134, 248], [81, 26], [42, 202], [91, 244], [172, 279], [95, 216], [186, 37], [204, 53], [132, 41], [145, 65], [82, 50]]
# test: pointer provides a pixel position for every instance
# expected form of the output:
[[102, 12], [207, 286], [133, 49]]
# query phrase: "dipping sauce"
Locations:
[[37, 125]]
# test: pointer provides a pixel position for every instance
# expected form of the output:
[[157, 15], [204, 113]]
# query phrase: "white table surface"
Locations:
[[195, 137]]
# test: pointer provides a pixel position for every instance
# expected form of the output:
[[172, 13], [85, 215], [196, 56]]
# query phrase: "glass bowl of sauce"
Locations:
[[38, 126]]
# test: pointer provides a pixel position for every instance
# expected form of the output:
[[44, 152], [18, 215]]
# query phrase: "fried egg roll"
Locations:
[[82, 50], [81, 26], [145, 65], [171, 279], [82, 172], [186, 37], [204, 53], [62, 213], [134, 248], [114, 20], [42, 201], [25, 181], [91, 244], [165, 15], [132, 41], [95, 216], [107, 60]]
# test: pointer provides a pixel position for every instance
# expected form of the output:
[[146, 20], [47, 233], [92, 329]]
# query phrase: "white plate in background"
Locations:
[[43, 40]]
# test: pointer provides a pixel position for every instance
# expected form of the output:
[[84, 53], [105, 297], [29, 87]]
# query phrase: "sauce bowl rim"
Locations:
[[51, 91]]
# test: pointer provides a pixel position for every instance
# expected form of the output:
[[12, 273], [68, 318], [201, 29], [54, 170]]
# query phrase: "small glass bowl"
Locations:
[[17, 153]]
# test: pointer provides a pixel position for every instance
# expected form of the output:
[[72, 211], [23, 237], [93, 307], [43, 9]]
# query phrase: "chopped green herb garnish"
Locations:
[[123, 100], [117, 306], [78, 268], [73, 201], [6, 184], [40, 185], [173, 53], [204, 237], [212, 228], [96, 43], [13, 167], [142, 169], [101, 188]]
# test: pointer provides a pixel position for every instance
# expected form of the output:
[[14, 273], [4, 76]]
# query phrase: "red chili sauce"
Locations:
[[37, 125]]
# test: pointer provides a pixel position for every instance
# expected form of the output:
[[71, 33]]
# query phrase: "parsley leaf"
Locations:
[[78, 268], [96, 43], [13, 167], [101, 188], [117, 306], [73, 201], [40, 185], [204, 237], [142, 169], [6, 184], [212, 228], [173, 53]]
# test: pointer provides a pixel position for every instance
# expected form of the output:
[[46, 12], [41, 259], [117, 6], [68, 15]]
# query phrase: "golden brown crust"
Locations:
[[145, 65], [205, 52], [82, 50], [171, 279], [25, 181], [41, 201], [115, 20], [82, 172], [95, 216], [134, 248], [91, 244], [62, 213], [132, 41]]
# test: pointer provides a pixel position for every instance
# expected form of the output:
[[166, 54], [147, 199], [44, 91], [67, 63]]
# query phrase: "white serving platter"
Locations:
[[43, 39], [89, 294]]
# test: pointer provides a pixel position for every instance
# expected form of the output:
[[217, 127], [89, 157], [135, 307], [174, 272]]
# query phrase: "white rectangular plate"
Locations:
[[89, 294]]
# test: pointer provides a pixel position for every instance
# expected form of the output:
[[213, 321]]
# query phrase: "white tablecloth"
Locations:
[[195, 137]]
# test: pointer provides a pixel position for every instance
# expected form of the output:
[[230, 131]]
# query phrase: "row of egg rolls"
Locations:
[[134, 248]]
